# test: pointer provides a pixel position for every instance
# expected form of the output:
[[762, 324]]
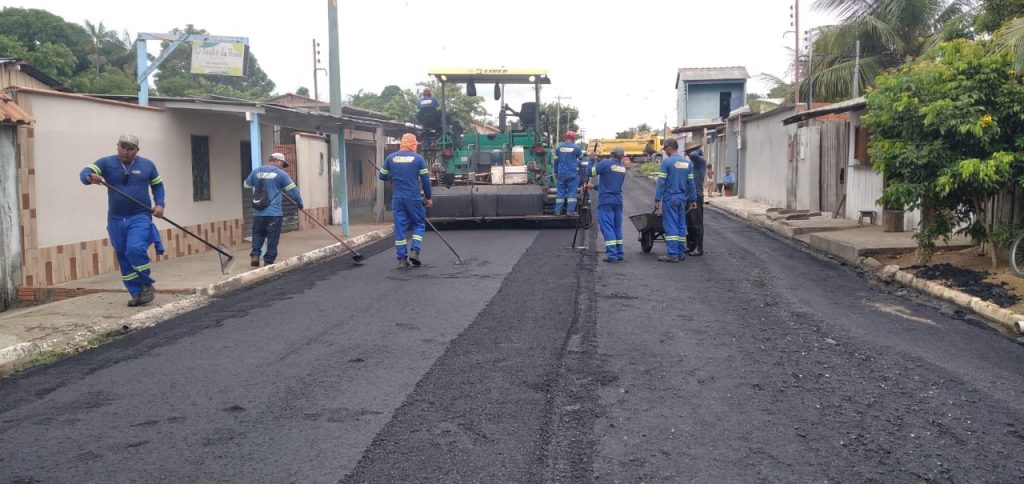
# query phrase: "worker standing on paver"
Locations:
[[566, 167], [408, 172], [130, 222], [677, 190], [609, 202]]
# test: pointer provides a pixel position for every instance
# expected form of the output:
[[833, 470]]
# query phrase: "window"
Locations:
[[357, 171], [860, 147], [200, 168]]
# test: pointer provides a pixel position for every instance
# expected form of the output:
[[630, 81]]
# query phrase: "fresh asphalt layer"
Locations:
[[534, 362]]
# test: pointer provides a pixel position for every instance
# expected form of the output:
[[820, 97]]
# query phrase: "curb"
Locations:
[[1006, 319], [21, 352]]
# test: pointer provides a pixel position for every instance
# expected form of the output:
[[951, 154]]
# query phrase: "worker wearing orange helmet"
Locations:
[[567, 159]]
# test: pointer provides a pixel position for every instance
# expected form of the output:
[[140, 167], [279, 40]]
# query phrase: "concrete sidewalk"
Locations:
[[183, 284], [858, 245]]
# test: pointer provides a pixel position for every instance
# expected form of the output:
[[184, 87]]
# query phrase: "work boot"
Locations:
[[255, 262], [665, 258], [414, 257], [134, 301], [403, 262], [697, 252], [147, 294]]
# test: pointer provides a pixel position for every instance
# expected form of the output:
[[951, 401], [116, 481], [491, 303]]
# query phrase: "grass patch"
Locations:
[[44, 358], [648, 169]]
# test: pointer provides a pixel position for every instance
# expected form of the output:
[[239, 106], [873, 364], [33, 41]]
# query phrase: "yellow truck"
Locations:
[[645, 147]]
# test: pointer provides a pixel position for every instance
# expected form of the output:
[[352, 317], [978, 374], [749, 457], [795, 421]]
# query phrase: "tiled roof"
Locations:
[[11, 113]]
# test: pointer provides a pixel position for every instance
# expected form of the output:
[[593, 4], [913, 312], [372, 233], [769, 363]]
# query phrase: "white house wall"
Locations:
[[764, 171], [72, 133], [312, 153], [864, 186]]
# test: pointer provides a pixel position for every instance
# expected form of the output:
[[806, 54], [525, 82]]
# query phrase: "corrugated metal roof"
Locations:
[[855, 104], [11, 113], [690, 74]]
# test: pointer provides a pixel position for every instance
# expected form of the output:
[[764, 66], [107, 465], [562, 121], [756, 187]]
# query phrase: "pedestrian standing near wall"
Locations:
[[130, 224], [609, 202], [695, 216], [268, 215], [677, 190], [408, 173]]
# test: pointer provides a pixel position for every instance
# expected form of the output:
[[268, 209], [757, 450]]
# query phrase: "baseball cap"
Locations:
[[280, 157], [129, 138]]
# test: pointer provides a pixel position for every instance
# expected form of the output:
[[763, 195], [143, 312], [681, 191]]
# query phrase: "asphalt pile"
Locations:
[[970, 282]]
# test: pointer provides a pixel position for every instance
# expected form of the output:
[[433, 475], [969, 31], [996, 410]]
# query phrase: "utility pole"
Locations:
[[339, 166], [316, 69], [809, 45], [796, 53], [856, 73], [558, 116]]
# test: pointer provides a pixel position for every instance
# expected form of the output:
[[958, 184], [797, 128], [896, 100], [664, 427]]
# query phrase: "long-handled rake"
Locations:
[[226, 258], [431, 225], [356, 256]]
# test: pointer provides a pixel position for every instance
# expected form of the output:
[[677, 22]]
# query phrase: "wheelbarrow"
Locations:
[[650, 226]]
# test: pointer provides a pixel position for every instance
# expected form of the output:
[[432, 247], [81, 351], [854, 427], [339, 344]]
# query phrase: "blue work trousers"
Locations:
[[409, 215], [567, 185], [266, 229], [610, 218], [131, 237], [674, 209]]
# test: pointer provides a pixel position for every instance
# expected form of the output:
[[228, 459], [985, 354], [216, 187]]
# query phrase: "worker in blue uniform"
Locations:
[[427, 99], [567, 157], [267, 220], [609, 202], [130, 224], [675, 194], [408, 173], [585, 167]]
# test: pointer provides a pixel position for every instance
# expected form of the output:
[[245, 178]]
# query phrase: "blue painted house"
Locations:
[[705, 94]]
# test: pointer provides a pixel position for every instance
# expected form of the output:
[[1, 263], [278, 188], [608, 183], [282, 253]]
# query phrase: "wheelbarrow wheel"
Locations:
[[646, 241]]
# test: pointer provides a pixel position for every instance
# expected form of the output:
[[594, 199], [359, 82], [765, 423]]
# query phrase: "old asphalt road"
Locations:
[[534, 363]]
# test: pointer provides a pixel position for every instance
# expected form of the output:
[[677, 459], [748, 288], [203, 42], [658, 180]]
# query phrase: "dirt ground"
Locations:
[[971, 272]]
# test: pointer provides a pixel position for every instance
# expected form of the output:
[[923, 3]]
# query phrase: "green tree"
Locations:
[[400, 104], [175, 79], [34, 28], [570, 115], [110, 81], [638, 130], [54, 59], [891, 32], [946, 133], [302, 91], [12, 48], [995, 13]]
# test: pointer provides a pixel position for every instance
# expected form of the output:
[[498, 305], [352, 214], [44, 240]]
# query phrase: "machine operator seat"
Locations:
[[429, 118], [528, 115]]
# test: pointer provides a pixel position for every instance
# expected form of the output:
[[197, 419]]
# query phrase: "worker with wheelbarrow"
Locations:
[[675, 194]]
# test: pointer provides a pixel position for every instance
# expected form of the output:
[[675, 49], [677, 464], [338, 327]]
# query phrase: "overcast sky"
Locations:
[[617, 61]]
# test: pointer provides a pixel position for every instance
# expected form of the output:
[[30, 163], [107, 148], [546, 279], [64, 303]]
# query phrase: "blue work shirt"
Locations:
[[407, 171], [675, 178], [567, 159], [609, 186], [277, 182], [729, 178], [700, 169], [136, 179], [425, 101]]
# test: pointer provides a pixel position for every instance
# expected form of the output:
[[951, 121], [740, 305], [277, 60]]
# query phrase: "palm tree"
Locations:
[[1011, 37], [891, 32]]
